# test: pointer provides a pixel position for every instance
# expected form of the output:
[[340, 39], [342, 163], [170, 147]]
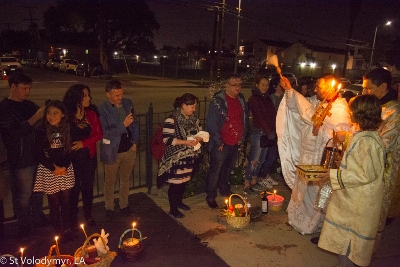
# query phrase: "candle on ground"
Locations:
[[83, 228]]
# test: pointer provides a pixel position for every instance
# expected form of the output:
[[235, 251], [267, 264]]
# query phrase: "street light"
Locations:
[[237, 38], [373, 44]]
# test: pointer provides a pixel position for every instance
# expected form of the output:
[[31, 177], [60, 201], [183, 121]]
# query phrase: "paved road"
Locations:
[[142, 90]]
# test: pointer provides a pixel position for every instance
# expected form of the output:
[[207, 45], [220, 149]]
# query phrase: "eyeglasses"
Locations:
[[238, 85]]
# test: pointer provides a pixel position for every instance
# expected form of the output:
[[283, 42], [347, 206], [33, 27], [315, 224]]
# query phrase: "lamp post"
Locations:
[[373, 44], [237, 38]]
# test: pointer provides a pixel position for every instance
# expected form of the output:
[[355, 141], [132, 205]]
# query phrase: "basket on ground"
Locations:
[[82, 253], [131, 249], [55, 260], [238, 221]]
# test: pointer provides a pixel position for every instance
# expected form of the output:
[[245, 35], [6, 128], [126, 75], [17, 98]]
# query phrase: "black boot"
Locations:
[[181, 191], [173, 195]]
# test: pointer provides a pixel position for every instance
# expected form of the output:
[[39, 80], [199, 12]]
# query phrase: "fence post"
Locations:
[[149, 159]]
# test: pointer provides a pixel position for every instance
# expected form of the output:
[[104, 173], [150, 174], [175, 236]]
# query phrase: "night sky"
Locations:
[[320, 22]]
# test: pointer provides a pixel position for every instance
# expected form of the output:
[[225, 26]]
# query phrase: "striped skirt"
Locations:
[[49, 183]]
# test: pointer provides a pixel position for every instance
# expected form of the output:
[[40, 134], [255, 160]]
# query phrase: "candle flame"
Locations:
[[340, 85], [133, 225], [226, 201], [22, 250], [333, 83], [56, 238], [274, 191], [82, 225]]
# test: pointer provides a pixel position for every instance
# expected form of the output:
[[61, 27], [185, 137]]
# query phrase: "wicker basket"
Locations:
[[56, 260], [238, 222], [310, 173], [105, 259], [130, 252]]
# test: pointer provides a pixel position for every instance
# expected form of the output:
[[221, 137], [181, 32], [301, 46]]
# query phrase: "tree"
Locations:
[[393, 55], [116, 25]]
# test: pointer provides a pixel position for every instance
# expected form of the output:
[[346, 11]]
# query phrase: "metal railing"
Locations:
[[145, 170]]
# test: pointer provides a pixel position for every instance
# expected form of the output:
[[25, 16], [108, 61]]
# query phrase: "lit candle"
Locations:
[[133, 229], [333, 83], [22, 256], [57, 249], [274, 195], [339, 86], [83, 228], [226, 203]]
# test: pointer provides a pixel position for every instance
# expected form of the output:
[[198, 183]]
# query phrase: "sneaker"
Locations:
[[265, 183], [271, 181], [258, 187], [249, 191]]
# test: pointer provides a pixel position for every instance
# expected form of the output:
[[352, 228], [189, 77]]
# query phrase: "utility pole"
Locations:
[[237, 38], [221, 28], [213, 45], [33, 28]]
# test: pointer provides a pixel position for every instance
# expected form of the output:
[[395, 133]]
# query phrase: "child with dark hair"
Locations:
[[353, 213], [177, 163], [55, 174]]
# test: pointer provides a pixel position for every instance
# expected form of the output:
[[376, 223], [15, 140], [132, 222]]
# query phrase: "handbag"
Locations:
[[266, 142]]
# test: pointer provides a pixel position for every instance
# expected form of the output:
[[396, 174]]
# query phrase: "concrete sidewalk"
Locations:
[[268, 240]]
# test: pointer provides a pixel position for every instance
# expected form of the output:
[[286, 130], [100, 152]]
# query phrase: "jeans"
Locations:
[[28, 202], [270, 158], [257, 155], [221, 166], [124, 165], [84, 169]]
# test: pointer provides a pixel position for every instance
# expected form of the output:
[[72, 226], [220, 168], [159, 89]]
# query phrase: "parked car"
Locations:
[[9, 64], [53, 64], [356, 89], [89, 68], [357, 80], [345, 82], [68, 65]]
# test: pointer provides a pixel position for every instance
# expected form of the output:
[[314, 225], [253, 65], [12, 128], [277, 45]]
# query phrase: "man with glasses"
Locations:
[[303, 133], [226, 122]]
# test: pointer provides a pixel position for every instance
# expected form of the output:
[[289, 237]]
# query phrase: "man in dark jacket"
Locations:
[[226, 122], [17, 118]]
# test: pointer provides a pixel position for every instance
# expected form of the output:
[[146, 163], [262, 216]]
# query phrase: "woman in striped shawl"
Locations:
[[178, 160]]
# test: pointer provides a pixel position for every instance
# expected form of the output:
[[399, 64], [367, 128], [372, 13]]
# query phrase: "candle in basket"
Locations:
[[226, 203], [274, 195], [133, 229], [22, 256], [83, 228], [57, 249]]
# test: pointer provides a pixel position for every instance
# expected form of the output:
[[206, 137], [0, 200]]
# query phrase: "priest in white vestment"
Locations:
[[301, 141]]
